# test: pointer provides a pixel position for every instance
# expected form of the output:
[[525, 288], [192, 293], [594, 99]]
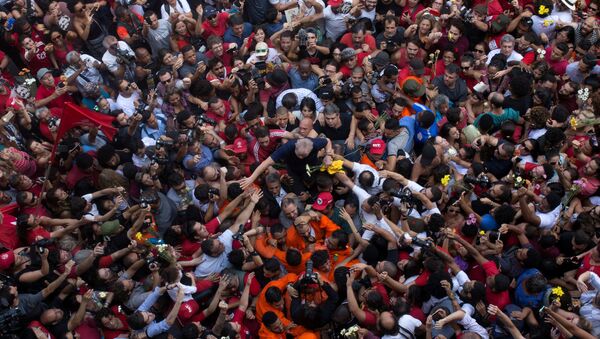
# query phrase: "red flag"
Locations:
[[74, 115]]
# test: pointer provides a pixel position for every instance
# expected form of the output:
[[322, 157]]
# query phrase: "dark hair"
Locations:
[[269, 318], [293, 257], [84, 161]]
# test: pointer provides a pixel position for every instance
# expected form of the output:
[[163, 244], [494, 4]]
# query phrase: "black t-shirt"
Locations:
[[520, 105], [398, 38], [474, 34], [61, 328], [335, 134]]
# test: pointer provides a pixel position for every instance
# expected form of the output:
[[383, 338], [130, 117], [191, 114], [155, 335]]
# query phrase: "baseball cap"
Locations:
[[413, 88], [417, 65], [261, 49], [348, 53], [500, 23], [323, 200], [6, 260], [335, 3], [326, 93], [209, 11], [42, 72], [428, 154], [240, 145], [381, 59], [377, 146]]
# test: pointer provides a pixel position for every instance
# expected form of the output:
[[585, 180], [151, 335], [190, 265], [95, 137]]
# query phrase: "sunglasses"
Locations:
[[465, 68], [262, 50], [164, 82], [212, 17], [479, 51]]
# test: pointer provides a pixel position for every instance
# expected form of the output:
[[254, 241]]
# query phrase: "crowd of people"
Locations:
[[309, 169]]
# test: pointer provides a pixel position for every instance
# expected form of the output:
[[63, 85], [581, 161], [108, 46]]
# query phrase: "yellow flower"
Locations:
[[558, 291], [548, 22], [139, 236], [335, 167], [445, 180], [543, 10], [481, 233], [573, 122]]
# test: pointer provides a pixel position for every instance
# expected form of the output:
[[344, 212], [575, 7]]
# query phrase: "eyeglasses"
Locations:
[[164, 82], [479, 51]]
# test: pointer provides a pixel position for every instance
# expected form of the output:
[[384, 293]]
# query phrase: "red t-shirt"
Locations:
[[369, 40], [260, 153], [38, 231], [8, 232], [558, 66], [218, 30], [226, 58], [44, 92], [39, 60]]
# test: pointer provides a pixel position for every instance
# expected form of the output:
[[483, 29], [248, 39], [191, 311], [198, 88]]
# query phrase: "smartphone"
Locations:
[[437, 315], [61, 84]]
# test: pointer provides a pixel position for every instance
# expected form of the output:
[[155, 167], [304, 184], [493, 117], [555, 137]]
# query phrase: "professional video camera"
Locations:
[[309, 277], [427, 244], [123, 57], [481, 181], [166, 144]]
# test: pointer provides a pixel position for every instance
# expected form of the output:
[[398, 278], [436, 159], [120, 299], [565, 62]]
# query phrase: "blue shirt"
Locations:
[[154, 328], [310, 83], [230, 37], [205, 159], [419, 134]]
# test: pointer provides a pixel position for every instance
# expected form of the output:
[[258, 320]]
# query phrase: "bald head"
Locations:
[[305, 126]]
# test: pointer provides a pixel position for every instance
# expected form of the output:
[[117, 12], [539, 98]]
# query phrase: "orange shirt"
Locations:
[[366, 161], [262, 306], [268, 251], [322, 229]]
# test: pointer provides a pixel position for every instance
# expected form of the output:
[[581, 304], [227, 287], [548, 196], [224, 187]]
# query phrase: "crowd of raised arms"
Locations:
[[311, 169]]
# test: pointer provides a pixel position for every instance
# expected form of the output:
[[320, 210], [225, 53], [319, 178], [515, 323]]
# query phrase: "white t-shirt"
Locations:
[[301, 93], [181, 7], [272, 57], [127, 104], [111, 60], [514, 56], [335, 24], [536, 133], [408, 324], [216, 264], [358, 168], [93, 212], [547, 220]]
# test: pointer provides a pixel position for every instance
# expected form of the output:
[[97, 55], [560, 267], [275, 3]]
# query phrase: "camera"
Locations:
[[159, 160], [302, 38], [123, 57], [239, 235], [166, 144], [481, 181], [325, 80], [258, 78], [42, 244], [11, 321], [422, 243], [309, 274], [206, 120], [53, 122]]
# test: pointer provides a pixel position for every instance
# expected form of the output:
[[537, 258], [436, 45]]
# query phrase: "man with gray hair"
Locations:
[[89, 66], [297, 155], [507, 47]]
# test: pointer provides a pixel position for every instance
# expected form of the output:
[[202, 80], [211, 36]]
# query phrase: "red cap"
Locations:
[[377, 146], [335, 3], [240, 145], [6, 260], [323, 200]]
